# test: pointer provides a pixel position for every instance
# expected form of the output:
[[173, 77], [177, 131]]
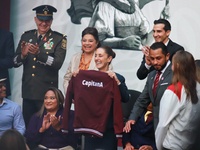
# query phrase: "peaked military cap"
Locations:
[[45, 12]]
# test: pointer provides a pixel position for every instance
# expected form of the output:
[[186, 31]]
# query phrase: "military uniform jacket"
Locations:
[[41, 71]]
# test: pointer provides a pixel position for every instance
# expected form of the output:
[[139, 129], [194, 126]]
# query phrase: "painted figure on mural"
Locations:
[[121, 24]]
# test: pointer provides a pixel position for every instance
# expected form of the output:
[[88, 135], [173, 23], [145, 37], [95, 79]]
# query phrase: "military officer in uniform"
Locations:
[[41, 52]]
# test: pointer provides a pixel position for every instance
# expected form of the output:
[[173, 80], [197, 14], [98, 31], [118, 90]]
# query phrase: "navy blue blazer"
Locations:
[[123, 88], [141, 133], [6, 56]]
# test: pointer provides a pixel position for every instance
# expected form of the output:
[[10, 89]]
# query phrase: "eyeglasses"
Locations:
[[2, 84]]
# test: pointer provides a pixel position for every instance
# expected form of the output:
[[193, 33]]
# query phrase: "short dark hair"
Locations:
[[12, 139], [161, 45], [165, 22], [93, 31]]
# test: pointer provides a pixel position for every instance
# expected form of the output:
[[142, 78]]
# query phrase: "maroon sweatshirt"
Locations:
[[94, 93]]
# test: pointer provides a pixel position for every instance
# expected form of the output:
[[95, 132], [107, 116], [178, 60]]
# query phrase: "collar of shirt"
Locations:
[[38, 34], [162, 71], [3, 102], [167, 42]]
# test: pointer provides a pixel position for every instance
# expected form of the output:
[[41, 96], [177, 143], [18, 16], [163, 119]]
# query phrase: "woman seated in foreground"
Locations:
[[43, 131]]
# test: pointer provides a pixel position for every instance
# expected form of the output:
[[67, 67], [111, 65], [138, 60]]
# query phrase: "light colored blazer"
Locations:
[[74, 66]]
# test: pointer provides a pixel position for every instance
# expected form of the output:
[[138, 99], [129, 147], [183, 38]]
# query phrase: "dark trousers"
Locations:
[[107, 142], [30, 107]]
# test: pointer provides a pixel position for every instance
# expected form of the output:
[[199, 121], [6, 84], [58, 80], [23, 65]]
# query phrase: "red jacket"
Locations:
[[94, 94]]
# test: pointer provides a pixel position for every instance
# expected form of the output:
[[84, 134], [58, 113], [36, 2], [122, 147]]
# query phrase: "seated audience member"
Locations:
[[44, 127], [107, 101], [12, 140], [141, 135], [10, 112], [179, 114]]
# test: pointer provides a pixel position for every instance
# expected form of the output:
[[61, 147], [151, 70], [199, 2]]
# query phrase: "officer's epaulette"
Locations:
[[60, 34], [29, 31]]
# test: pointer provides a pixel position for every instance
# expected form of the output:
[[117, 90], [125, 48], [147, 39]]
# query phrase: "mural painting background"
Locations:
[[183, 16]]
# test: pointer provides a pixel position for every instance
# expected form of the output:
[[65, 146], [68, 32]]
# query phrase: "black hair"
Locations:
[[12, 140], [165, 22], [93, 31], [109, 51], [161, 45]]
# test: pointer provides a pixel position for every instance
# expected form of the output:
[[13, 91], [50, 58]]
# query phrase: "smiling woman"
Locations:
[[83, 60], [47, 122], [103, 57]]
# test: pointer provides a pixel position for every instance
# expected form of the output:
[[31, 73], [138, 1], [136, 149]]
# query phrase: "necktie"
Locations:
[[39, 39], [155, 85]]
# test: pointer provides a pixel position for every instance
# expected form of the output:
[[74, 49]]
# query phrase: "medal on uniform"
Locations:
[[49, 44], [45, 39]]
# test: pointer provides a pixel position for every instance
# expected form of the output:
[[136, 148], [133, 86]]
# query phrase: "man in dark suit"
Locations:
[[161, 32], [42, 53], [142, 134], [159, 58], [6, 56]]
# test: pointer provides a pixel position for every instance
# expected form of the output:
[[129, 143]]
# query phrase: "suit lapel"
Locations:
[[162, 79], [151, 84]]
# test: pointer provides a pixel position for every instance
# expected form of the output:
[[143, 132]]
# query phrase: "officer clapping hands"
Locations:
[[29, 48]]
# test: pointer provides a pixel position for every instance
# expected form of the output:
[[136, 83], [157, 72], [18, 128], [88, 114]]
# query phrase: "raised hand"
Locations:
[[55, 122], [46, 123]]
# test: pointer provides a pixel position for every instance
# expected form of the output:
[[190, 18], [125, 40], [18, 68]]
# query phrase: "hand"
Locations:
[[75, 73], [131, 42], [129, 146], [24, 49], [113, 75], [127, 127], [55, 122], [145, 50], [33, 49], [45, 123], [145, 147]]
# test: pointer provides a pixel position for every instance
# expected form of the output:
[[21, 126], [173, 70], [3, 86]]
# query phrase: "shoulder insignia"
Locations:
[[30, 31], [64, 43], [57, 33], [60, 34]]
